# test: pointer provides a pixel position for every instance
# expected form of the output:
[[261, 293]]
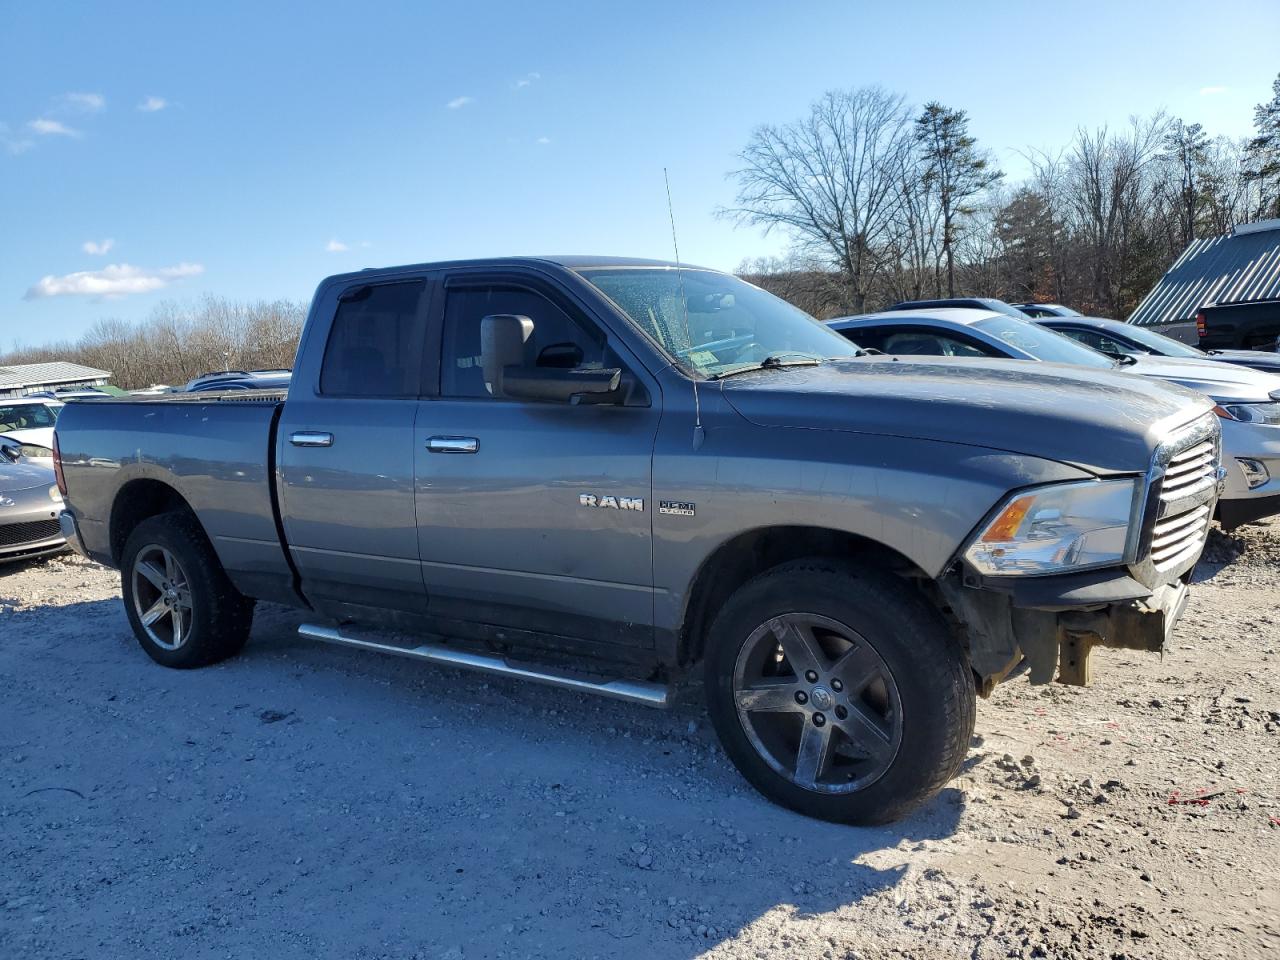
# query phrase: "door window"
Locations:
[[375, 344], [1099, 341], [559, 340]]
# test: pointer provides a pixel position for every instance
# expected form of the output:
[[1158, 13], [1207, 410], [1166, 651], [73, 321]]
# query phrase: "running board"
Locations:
[[633, 691]]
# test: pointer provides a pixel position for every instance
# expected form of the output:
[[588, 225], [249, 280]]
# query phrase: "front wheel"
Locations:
[[183, 609], [838, 692]]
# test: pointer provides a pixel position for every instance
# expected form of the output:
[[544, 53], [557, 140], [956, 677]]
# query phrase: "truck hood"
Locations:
[[1221, 381], [1101, 421]]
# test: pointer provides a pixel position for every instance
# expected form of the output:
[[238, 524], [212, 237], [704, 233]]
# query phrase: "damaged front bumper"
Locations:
[[1053, 623]]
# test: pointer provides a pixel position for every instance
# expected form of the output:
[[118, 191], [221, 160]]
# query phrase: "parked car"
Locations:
[[241, 380], [29, 507], [1236, 326], [969, 303], [1114, 337], [1038, 310], [28, 423], [1246, 400], [603, 474]]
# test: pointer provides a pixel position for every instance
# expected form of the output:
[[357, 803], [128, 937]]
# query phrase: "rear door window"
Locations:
[[376, 342]]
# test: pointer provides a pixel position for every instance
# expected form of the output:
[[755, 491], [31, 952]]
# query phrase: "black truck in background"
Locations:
[[1239, 326]]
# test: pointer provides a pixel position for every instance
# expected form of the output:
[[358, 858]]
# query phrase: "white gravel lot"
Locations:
[[309, 801]]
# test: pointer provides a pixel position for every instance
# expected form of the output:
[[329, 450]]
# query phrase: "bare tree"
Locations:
[[831, 181]]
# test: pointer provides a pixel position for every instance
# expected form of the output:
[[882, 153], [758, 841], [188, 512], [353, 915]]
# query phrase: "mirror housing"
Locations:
[[503, 337]]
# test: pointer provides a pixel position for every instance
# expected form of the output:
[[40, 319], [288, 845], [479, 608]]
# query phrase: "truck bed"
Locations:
[[215, 449]]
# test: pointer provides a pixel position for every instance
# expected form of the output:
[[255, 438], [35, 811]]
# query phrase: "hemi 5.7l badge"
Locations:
[[681, 508]]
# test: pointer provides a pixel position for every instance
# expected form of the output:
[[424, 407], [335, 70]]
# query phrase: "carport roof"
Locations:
[[59, 371], [1240, 267]]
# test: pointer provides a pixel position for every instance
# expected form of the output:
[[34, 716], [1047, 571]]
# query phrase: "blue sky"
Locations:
[[250, 149]]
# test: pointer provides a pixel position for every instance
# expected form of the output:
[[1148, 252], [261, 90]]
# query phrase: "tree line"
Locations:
[[882, 203], [178, 342], [879, 203]]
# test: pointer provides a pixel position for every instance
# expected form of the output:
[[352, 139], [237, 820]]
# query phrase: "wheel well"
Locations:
[[745, 556], [137, 501]]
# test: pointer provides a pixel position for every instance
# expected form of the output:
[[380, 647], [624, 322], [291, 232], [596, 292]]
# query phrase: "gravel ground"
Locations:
[[304, 800]]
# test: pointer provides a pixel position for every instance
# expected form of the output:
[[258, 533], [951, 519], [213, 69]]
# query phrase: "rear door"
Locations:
[[536, 515], [346, 450]]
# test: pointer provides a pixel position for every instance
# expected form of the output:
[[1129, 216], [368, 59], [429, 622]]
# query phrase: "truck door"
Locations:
[[346, 450], [535, 515]]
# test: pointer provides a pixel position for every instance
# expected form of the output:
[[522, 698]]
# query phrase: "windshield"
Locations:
[[26, 416], [728, 324], [1043, 343], [1159, 344]]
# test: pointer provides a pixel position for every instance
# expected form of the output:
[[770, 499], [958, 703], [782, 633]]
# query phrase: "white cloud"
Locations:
[[153, 104], [84, 102], [116, 280], [98, 249], [12, 144], [544, 140], [46, 127], [336, 246], [458, 102], [527, 80], [1212, 91]]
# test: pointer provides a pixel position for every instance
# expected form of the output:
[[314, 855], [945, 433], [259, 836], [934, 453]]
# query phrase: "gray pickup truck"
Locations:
[[603, 473]]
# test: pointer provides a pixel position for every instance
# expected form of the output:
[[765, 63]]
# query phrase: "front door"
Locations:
[[535, 515]]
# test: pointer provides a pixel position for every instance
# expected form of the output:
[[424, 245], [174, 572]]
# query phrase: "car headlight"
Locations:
[[55, 494], [1062, 527], [1268, 413], [33, 451]]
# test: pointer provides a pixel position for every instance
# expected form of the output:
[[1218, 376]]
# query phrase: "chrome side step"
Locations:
[[633, 691]]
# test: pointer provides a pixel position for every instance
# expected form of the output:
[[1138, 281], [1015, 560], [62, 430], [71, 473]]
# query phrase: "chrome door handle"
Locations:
[[308, 438], [453, 445]]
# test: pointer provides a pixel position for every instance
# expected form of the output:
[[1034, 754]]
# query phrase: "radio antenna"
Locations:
[[698, 434]]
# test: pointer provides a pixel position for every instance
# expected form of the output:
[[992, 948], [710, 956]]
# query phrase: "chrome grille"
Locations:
[[1185, 504]]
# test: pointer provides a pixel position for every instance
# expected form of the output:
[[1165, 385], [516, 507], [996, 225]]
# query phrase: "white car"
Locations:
[[28, 425]]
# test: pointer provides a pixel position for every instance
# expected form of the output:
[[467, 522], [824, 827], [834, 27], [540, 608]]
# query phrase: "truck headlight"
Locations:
[[1062, 527]]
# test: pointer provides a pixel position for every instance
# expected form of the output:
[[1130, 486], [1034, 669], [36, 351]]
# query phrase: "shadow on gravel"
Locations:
[[304, 800]]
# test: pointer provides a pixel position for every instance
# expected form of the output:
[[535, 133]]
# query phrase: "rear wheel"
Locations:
[[181, 605], [838, 692]]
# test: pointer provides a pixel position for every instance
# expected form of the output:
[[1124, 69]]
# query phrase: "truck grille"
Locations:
[[1185, 504], [17, 534]]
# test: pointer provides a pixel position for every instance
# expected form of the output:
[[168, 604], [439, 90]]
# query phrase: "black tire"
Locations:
[[933, 690], [216, 618]]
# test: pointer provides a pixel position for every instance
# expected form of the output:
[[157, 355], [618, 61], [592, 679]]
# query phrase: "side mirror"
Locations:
[[502, 357], [502, 340]]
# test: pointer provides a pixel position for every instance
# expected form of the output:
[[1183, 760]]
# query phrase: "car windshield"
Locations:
[[711, 323], [1042, 343], [1058, 310], [1159, 344], [26, 416]]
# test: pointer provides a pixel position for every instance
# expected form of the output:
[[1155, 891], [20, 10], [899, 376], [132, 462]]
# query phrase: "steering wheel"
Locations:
[[739, 343]]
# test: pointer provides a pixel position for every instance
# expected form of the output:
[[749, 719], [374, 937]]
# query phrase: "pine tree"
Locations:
[[1264, 154], [955, 168]]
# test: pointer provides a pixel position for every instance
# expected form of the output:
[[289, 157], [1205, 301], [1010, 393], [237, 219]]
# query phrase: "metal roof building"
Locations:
[[1241, 267], [21, 379]]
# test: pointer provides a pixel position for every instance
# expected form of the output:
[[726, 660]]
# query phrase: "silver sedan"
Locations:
[[29, 508]]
